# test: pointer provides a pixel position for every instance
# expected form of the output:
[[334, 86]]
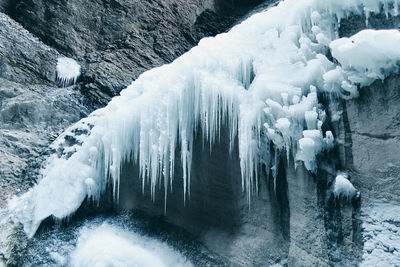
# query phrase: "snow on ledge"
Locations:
[[68, 71], [364, 57], [343, 187]]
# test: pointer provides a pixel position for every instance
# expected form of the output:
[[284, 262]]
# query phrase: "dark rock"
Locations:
[[373, 140]]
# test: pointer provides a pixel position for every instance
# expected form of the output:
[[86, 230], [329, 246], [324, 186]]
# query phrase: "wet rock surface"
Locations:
[[369, 145]]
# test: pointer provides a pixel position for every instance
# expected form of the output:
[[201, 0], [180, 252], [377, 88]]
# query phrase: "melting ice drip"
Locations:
[[68, 71], [261, 80]]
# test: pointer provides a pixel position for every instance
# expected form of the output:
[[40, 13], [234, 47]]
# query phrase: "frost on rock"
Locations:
[[381, 228], [68, 71], [343, 187], [261, 80]]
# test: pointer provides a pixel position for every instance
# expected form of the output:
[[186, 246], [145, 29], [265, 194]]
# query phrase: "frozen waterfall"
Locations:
[[261, 80]]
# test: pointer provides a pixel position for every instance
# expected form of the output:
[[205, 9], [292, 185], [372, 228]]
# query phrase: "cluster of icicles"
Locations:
[[260, 81], [68, 71]]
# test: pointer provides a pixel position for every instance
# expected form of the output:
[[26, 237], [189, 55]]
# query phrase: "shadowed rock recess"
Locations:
[[296, 222]]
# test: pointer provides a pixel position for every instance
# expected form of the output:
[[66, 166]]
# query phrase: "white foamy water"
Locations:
[[117, 240], [108, 245]]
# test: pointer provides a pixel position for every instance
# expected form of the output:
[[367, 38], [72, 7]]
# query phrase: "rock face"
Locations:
[[372, 143], [33, 110], [116, 40], [217, 211], [369, 144]]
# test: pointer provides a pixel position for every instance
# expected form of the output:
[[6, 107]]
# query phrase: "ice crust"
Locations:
[[260, 80], [68, 71]]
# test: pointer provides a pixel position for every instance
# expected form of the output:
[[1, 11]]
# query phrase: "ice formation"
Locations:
[[261, 80], [68, 71], [363, 58], [343, 187], [108, 245]]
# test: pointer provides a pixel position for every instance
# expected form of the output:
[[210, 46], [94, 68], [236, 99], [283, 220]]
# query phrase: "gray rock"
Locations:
[[33, 111], [373, 140], [116, 40], [217, 211]]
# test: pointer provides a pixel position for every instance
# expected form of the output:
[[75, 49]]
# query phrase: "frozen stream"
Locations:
[[117, 240]]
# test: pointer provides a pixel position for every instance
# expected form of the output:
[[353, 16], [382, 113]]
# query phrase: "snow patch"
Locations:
[[68, 71]]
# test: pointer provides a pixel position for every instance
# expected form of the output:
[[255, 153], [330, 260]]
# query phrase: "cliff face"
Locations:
[[369, 145], [33, 110]]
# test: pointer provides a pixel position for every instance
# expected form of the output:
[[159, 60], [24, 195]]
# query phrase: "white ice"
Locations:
[[261, 80], [108, 245], [364, 57], [68, 71], [343, 187]]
